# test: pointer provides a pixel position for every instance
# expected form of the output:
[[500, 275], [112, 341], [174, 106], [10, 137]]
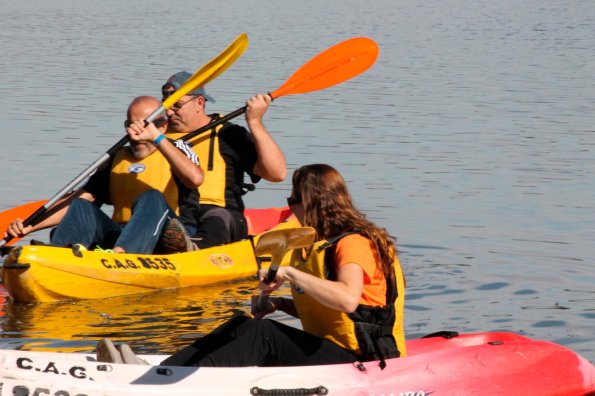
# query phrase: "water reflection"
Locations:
[[151, 322]]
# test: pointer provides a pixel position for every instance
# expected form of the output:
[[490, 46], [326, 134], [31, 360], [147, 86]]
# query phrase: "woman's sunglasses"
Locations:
[[292, 201]]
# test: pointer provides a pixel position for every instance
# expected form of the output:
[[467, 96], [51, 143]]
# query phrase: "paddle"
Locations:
[[208, 72], [277, 243], [20, 212], [333, 66]]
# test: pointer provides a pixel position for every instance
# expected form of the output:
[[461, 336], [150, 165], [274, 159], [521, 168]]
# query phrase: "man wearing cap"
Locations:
[[226, 152]]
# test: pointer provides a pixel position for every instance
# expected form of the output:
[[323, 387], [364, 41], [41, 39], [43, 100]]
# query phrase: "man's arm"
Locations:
[[52, 217], [270, 163], [185, 168]]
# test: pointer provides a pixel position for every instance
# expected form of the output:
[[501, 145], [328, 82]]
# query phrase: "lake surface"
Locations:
[[472, 139]]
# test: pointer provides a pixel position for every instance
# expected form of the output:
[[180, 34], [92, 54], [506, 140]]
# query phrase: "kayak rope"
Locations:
[[319, 390]]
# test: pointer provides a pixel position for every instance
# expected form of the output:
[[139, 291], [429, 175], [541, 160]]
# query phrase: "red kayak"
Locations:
[[471, 364], [263, 219]]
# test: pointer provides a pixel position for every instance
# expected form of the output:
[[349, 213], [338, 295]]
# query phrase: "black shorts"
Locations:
[[219, 226]]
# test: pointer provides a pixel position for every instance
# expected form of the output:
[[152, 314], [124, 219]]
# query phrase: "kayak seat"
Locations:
[[260, 220]]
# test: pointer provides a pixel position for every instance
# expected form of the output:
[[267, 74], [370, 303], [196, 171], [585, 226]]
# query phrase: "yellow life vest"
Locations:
[[131, 176], [206, 147], [342, 328]]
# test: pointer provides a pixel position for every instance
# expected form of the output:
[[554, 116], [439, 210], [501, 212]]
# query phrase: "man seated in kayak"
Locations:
[[348, 292], [227, 152], [149, 183]]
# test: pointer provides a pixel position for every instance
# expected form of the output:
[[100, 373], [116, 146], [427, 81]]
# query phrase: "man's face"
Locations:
[[182, 113]]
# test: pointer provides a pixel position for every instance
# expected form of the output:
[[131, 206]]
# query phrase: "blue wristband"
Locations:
[[159, 139]]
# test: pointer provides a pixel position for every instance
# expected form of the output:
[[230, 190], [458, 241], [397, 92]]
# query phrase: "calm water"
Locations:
[[472, 139]]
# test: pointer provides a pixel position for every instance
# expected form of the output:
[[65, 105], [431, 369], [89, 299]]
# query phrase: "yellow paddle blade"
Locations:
[[278, 242], [212, 69]]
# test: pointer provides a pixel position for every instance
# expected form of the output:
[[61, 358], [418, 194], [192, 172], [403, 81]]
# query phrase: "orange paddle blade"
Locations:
[[333, 66], [20, 212]]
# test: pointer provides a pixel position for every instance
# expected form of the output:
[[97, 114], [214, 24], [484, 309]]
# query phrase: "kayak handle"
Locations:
[[319, 390]]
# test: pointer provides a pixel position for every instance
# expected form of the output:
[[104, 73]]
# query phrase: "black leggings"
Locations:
[[244, 341]]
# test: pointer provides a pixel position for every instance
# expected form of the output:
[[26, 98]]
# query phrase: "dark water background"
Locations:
[[471, 139]]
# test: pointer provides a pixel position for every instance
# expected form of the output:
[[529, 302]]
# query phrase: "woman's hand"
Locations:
[[271, 305], [280, 277]]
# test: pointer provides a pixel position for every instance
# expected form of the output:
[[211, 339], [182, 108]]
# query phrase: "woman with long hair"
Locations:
[[347, 289]]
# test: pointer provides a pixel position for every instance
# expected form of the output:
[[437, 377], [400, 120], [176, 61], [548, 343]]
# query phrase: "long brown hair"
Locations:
[[328, 207]]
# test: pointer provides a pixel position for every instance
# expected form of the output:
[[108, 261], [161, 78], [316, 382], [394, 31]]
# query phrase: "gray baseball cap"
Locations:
[[178, 79]]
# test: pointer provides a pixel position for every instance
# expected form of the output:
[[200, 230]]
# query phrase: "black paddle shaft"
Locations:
[[264, 298], [214, 123]]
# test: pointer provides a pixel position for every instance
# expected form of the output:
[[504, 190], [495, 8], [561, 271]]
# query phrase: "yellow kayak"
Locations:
[[45, 273]]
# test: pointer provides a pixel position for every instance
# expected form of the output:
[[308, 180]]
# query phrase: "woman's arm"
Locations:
[[344, 294]]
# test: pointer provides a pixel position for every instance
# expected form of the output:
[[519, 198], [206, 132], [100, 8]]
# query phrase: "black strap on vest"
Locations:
[[376, 340], [242, 189], [211, 149], [192, 135], [330, 271], [213, 130], [212, 145]]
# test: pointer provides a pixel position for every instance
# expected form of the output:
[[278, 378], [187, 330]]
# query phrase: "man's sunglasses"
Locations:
[[159, 122]]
